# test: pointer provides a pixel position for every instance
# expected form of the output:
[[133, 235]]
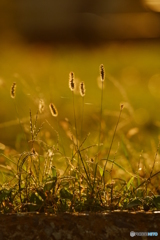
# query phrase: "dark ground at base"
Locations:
[[87, 226]]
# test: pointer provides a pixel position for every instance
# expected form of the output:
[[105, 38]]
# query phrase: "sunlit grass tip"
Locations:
[[121, 106], [82, 89], [53, 110], [102, 72], [71, 81], [13, 90], [41, 105]]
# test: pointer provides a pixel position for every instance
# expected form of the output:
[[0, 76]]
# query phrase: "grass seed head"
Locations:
[[41, 105], [121, 106], [53, 110], [13, 90], [82, 89], [71, 81], [102, 72]]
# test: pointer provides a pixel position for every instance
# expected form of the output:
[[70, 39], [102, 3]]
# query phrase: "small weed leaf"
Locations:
[[156, 202], [5, 194], [36, 198], [148, 203], [32, 207], [124, 149], [40, 194], [134, 203], [100, 170], [54, 172], [130, 182], [64, 193], [50, 185], [140, 192], [65, 184], [148, 199]]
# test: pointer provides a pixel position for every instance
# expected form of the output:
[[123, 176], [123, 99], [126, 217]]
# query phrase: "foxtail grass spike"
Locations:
[[71, 81], [102, 73], [53, 110], [41, 106], [82, 89], [13, 90]]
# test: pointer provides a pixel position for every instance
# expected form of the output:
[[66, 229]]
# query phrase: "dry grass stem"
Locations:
[[102, 76], [103, 176]]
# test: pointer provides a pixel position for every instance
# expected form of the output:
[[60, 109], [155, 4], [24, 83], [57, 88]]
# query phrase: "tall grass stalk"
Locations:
[[54, 113], [103, 176], [82, 117], [102, 78], [72, 86], [75, 122], [82, 93], [155, 158], [13, 96]]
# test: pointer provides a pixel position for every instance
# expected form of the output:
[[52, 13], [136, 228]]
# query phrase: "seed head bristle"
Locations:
[[41, 105], [82, 89], [53, 110], [13, 90], [71, 81], [102, 72]]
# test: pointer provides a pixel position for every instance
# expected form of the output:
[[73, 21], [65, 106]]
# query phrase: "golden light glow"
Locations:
[[154, 5]]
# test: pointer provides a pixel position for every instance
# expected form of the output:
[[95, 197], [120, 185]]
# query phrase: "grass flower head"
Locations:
[[13, 90], [53, 110], [71, 81], [82, 89]]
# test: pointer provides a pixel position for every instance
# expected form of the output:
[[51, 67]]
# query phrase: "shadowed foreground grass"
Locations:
[[66, 145]]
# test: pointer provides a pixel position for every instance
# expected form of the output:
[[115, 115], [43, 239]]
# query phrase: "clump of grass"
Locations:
[[33, 181]]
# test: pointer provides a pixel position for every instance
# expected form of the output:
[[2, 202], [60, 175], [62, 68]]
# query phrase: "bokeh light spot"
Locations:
[[154, 85], [141, 116], [154, 5]]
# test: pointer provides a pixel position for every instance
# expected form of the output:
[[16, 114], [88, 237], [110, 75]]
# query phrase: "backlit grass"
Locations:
[[87, 153]]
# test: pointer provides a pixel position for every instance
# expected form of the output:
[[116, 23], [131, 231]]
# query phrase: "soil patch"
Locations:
[[87, 226]]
